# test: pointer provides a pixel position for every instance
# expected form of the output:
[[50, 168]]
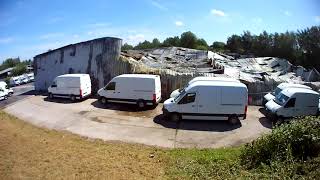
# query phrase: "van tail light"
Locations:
[[154, 98], [80, 93]]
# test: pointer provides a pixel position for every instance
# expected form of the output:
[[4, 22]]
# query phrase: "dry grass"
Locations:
[[30, 152]]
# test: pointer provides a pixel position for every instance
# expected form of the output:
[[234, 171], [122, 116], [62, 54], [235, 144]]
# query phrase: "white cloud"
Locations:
[[98, 25], [158, 5], [317, 19], [179, 23], [134, 39], [257, 20], [51, 35], [6, 40], [218, 13], [287, 13]]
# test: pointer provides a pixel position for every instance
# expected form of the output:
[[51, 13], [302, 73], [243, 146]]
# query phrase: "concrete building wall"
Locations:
[[90, 57]]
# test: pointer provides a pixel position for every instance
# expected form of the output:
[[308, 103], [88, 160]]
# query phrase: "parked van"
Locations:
[[293, 102], [176, 92], [5, 87], [73, 86], [140, 89], [15, 81], [23, 79], [281, 87], [209, 100], [3, 95], [31, 77]]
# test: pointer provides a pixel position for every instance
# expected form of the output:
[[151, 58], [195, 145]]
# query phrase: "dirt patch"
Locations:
[[30, 152]]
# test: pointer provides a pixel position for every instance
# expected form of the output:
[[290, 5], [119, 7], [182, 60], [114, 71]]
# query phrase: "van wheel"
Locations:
[[103, 100], [175, 117], [5, 97], [280, 120], [141, 104], [50, 96], [73, 98], [234, 120]]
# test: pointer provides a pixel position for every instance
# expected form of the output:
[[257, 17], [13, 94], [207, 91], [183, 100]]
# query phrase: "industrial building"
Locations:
[[102, 59], [90, 57]]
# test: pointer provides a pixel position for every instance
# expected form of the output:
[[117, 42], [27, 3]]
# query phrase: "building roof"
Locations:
[[70, 45], [6, 70]]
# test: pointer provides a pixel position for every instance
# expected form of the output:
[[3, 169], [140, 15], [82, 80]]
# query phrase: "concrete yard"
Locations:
[[118, 122]]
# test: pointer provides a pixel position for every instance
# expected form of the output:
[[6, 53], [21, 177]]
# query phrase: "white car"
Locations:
[[72, 86], [4, 86], [139, 89], [31, 77], [23, 79], [293, 102], [280, 87], [209, 100], [202, 78], [3, 95], [15, 81]]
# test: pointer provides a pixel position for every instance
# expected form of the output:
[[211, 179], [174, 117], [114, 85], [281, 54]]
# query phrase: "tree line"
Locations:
[[300, 48], [19, 67]]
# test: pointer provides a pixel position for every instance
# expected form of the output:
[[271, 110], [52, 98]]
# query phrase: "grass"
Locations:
[[29, 152]]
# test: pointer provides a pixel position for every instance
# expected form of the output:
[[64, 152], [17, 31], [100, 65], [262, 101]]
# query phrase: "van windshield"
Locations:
[[281, 99], [276, 91], [182, 93], [184, 87]]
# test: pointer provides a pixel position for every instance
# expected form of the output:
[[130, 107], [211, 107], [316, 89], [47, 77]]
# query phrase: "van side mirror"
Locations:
[[53, 85]]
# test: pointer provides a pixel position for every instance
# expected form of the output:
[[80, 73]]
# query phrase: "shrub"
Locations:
[[299, 140]]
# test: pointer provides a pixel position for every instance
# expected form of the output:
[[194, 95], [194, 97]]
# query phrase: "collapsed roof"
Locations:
[[184, 60]]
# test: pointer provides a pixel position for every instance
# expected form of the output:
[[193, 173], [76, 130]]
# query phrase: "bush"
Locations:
[[296, 141]]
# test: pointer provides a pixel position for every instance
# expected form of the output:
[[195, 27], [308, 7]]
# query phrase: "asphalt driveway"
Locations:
[[124, 123]]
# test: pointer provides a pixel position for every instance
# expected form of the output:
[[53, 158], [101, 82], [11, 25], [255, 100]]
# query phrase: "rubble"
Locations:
[[261, 74]]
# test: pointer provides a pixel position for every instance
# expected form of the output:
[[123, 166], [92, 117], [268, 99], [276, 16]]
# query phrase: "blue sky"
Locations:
[[28, 28]]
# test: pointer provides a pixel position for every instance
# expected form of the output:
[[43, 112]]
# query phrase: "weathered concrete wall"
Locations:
[[91, 57]]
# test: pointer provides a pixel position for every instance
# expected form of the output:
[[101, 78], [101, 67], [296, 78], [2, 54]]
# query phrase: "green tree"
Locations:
[[234, 44], [19, 69], [309, 43], [218, 46], [156, 43], [126, 47], [10, 62], [171, 41], [202, 44], [188, 40], [144, 45]]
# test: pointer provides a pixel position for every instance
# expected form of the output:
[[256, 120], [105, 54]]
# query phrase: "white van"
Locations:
[[176, 92], [23, 79], [3, 95], [293, 102], [280, 87], [31, 77], [15, 81], [73, 86], [5, 88], [209, 100], [140, 89]]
